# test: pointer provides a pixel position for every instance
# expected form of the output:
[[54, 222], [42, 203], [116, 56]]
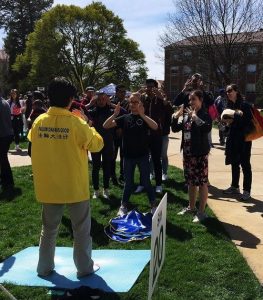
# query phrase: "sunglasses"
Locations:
[[229, 91]]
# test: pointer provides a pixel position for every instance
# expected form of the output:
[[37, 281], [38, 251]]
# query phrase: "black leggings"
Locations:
[[5, 169], [246, 168], [101, 158], [17, 123]]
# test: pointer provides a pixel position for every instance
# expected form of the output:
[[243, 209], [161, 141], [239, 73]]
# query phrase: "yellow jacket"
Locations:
[[60, 142]]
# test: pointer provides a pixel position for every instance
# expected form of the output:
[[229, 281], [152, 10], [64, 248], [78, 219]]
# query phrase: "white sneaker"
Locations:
[[231, 191], [186, 210], [159, 189], [245, 196], [122, 211], [105, 194], [89, 156], [199, 217], [18, 148], [139, 189], [96, 194], [164, 177]]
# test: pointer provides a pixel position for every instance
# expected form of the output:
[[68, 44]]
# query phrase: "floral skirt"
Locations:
[[196, 169]]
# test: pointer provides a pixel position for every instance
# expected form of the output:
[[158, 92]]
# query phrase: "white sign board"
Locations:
[[157, 244]]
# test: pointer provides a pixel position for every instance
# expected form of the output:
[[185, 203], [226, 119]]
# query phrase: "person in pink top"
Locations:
[[17, 109]]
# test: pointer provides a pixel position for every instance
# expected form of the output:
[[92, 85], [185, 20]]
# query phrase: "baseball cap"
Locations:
[[90, 88]]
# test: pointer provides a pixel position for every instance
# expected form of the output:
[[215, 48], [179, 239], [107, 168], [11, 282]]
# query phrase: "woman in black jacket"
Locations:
[[238, 151], [195, 126]]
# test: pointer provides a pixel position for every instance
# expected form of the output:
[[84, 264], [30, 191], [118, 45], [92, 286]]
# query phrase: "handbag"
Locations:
[[213, 112], [256, 129]]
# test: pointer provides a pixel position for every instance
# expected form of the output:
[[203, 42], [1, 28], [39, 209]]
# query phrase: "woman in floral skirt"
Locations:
[[195, 125]]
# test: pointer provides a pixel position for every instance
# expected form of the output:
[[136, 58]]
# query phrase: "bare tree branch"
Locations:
[[221, 29]]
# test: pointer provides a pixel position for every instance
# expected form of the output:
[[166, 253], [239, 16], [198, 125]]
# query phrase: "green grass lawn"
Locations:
[[201, 261]]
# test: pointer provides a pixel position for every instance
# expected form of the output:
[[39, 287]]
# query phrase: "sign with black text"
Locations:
[[157, 244]]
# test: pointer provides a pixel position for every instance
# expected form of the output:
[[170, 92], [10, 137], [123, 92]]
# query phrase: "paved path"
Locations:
[[18, 159], [243, 221]]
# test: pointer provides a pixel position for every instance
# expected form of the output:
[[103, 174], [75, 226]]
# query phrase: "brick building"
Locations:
[[3, 68], [182, 59]]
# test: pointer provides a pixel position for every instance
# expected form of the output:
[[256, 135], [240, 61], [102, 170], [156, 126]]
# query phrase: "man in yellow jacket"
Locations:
[[60, 141]]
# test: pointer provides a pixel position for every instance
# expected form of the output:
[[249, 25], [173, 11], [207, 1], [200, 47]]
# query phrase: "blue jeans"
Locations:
[[155, 145], [164, 154], [144, 169]]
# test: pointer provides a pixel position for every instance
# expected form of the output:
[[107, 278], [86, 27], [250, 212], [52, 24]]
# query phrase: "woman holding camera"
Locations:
[[195, 126]]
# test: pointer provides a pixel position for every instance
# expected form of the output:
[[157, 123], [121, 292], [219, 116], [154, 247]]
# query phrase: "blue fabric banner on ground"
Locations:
[[133, 226]]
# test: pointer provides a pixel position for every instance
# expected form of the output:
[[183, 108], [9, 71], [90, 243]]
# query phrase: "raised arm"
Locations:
[[150, 122], [110, 122]]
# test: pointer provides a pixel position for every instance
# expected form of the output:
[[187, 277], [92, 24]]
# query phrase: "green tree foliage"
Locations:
[[87, 45], [18, 18]]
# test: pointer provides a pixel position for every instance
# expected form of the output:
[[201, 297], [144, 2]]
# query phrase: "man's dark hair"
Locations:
[[150, 80], [119, 87], [197, 93], [38, 95], [38, 103], [60, 92]]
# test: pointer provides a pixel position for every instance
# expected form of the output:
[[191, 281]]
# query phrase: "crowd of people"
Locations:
[[100, 128]]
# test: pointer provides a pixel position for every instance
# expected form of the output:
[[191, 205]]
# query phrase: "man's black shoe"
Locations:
[[115, 181]]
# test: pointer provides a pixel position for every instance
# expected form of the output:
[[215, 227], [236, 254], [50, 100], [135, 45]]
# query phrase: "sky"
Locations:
[[144, 21]]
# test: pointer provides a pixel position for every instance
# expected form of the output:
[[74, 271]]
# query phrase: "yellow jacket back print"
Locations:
[[60, 142]]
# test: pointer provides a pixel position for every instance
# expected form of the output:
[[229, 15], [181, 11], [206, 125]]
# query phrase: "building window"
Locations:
[[187, 53], [176, 56], [187, 70], [175, 70], [251, 68], [234, 69], [220, 69], [252, 50], [250, 87], [198, 68]]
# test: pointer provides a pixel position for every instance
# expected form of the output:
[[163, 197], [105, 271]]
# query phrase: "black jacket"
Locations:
[[155, 109], [236, 146], [99, 115], [199, 134]]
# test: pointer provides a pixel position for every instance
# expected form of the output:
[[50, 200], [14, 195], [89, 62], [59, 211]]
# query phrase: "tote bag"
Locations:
[[256, 129]]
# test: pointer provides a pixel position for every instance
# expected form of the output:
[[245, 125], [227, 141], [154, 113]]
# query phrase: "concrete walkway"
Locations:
[[19, 159], [243, 221]]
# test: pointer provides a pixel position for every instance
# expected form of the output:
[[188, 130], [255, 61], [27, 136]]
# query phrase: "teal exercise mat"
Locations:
[[119, 269]]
